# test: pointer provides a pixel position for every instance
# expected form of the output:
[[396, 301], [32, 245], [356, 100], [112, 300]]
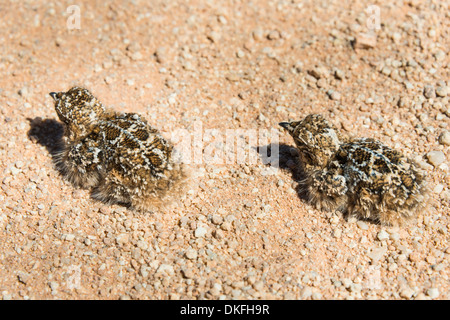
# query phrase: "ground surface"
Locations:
[[242, 231]]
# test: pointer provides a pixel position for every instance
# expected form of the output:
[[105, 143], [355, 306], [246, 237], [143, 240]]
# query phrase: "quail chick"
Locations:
[[117, 155], [360, 177]]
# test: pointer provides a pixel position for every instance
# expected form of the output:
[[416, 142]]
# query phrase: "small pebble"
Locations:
[[334, 95], [382, 235], [216, 219], [429, 92], [24, 92], [23, 277], [273, 35], [161, 54], [362, 225], [407, 293], [442, 91], [200, 232], [316, 296], [306, 292], [438, 188], [136, 56], [444, 138], [318, 72], [365, 41], [214, 36], [435, 157], [377, 254], [258, 34], [191, 254], [69, 237], [414, 257], [433, 293]]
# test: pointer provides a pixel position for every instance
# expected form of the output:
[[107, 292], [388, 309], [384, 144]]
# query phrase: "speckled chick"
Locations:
[[117, 155], [360, 177]]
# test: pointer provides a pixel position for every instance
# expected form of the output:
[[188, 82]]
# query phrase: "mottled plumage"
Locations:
[[119, 155], [361, 177]]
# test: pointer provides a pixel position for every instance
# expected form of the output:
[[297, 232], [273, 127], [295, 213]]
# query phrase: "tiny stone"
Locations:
[[338, 74], [318, 72], [316, 296], [392, 266], [161, 54], [337, 233], [258, 34], [18, 164], [334, 95], [136, 56], [69, 237], [23, 277], [240, 53], [258, 285], [442, 91], [429, 92], [394, 236], [214, 36], [407, 293], [444, 138], [233, 77], [377, 254], [200, 232], [226, 226], [24, 92], [382, 235], [133, 47], [216, 219], [305, 293], [191, 254], [346, 282], [386, 71], [273, 35], [435, 157], [236, 293], [321, 83], [122, 238], [108, 80], [218, 234], [53, 285], [440, 55], [414, 257], [438, 188], [421, 296], [298, 66], [187, 273], [243, 95], [433, 293], [365, 41], [362, 225]]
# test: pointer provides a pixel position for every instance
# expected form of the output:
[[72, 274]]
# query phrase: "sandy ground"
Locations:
[[242, 231]]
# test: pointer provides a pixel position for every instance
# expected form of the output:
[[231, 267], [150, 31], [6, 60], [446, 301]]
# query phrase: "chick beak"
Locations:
[[53, 95], [285, 125]]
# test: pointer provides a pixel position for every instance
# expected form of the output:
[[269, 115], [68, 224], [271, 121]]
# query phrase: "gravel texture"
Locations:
[[241, 231]]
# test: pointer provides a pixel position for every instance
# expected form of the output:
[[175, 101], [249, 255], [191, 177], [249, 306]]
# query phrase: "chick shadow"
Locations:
[[48, 133], [286, 158]]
